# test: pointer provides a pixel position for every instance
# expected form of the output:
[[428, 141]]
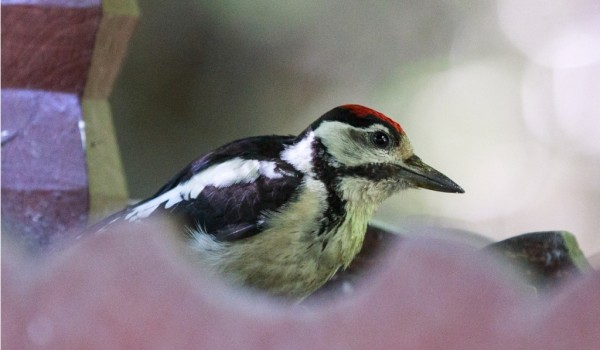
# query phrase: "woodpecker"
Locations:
[[282, 214]]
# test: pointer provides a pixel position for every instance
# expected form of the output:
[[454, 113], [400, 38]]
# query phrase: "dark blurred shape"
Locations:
[[546, 259]]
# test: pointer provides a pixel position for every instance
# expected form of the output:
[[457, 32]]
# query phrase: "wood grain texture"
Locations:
[[48, 47]]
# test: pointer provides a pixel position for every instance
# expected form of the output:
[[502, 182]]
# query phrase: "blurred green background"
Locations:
[[502, 96]]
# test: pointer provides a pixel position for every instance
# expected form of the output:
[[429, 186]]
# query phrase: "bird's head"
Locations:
[[368, 155]]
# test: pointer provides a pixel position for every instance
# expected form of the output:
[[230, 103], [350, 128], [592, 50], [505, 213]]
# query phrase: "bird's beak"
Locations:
[[422, 175]]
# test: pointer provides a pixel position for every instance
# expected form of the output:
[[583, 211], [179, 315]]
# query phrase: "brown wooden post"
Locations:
[[59, 61]]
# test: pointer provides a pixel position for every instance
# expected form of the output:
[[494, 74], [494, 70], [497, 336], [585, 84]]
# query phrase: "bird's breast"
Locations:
[[290, 258]]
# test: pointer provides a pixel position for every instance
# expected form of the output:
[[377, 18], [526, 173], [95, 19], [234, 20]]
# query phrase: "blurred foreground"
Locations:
[[130, 288]]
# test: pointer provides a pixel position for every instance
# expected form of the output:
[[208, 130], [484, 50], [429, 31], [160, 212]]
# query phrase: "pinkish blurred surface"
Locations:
[[130, 289]]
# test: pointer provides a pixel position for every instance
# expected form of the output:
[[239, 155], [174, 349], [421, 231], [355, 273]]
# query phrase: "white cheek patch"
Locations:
[[345, 149], [234, 171]]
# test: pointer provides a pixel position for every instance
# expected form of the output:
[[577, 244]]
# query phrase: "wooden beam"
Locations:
[[107, 185], [119, 19]]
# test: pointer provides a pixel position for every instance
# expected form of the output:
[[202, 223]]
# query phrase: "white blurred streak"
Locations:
[[537, 108], [559, 33], [476, 104], [577, 105], [467, 122], [578, 44], [561, 107]]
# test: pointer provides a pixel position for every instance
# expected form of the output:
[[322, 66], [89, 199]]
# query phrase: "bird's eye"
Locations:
[[380, 139]]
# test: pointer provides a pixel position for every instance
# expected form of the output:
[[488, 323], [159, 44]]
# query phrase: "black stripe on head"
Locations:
[[373, 171]]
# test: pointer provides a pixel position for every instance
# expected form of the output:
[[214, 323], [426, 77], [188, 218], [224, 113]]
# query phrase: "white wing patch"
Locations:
[[234, 171], [300, 154]]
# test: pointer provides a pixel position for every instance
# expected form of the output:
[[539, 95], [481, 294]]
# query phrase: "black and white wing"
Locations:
[[227, 192]]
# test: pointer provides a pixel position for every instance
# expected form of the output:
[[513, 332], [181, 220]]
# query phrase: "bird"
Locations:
[[282, 214]]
